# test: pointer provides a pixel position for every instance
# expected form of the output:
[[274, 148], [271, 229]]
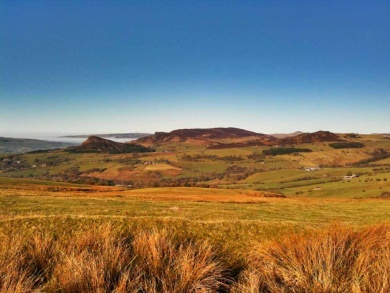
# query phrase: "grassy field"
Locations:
[[194, 165], [213, 208], [226, 226]]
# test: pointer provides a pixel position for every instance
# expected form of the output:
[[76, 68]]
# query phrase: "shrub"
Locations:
[[283, 151], [346, 145]]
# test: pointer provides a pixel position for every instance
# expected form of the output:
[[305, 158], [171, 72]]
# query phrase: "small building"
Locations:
[[309, 169]]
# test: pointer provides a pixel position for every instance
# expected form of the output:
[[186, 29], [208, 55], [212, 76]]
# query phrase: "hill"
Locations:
[[316, 169], [10, 145], [95, 144], [319, 136], [224, 138], [210, 137]]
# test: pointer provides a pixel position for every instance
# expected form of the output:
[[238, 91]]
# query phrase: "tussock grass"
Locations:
[[160, 260], [335, 260], [103, 260], [15, 274], [107, 259]]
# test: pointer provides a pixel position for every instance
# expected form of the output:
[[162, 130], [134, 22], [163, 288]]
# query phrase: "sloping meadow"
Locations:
[[106, 258]]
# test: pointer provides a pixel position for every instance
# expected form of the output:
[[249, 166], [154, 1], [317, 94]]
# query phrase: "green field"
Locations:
[[33, 202], [185, 164]]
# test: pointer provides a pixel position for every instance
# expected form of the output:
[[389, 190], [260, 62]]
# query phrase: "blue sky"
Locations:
[[145, 66]]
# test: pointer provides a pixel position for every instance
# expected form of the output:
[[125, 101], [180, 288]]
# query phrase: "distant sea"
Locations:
[[58, 137]]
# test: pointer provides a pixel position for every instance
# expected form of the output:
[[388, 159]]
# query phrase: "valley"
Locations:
[[320, 164]]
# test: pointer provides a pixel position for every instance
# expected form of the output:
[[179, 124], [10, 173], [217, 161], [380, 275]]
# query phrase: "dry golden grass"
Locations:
[[186, 267], [200, 194], [58, 191], [335, 260], [105, 259], [102, 260], [160, 167], [154, 194], [56, 239], [14, 276]]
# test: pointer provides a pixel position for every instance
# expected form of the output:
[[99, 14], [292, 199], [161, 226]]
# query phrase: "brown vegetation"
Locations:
[[208, 136], [336, 260], [319, 136], [214, 138], [96, 144], [104, 259]]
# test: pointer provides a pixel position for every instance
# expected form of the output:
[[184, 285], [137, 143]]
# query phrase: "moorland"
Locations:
[[199, 210], [10, 145]]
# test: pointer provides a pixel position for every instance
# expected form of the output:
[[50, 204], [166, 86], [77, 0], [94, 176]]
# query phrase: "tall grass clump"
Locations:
[[170, 267], [94, 261], [335, 260], [15, 274], [106, 260]]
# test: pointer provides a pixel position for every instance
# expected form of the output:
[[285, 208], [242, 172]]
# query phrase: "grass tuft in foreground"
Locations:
[[335, 260], [104, 261], [107, 259]]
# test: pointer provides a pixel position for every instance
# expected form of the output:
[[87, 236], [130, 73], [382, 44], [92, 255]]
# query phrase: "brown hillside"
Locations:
[[319, 136], [98, 144], [222, 138], [264, 141], [209, 136], [95, 141]]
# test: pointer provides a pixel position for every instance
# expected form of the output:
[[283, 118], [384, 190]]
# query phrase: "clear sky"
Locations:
[[146, 66]]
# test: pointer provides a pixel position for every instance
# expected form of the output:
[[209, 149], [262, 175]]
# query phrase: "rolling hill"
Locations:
[[224, 138], [209, 137], [95, 144], [319, 136], [223, 158]]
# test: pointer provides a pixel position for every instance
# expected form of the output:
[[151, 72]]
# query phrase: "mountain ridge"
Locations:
[[231, 137], [211, 136]]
